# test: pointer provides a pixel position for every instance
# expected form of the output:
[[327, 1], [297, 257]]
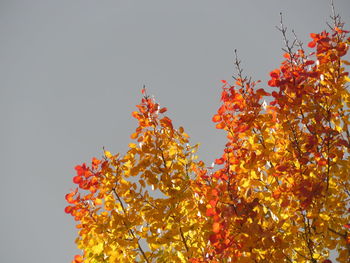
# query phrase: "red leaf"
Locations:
[[262, 92], [68, 209], [309, 62], [219, 161], [275, 73], [80, 169], [162, 110], [210, 212], [322, 162], [272, 83], [77, 179], [281, 168], [312, 44], [213, 238]]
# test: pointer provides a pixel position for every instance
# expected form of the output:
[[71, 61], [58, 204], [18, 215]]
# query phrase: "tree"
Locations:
[[282, 189]]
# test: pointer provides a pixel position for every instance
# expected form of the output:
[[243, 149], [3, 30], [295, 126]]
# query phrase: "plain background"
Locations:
[[71, 73]]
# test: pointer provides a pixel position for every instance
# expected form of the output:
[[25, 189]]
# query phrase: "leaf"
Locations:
[[134, 135], [181, 257], [108, 154], [216, 118], [166, 122], [216, 227], [132, 145], [219, 161], [78, 259], [162, 110], [97, 249], [324, 217]]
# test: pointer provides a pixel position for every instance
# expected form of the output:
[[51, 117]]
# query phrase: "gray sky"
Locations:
[[71, 73]]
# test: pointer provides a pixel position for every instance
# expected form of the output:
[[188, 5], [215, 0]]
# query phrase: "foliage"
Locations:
[[281, 192]]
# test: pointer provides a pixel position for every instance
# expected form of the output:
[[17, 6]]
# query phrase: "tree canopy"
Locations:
[[279, 193]]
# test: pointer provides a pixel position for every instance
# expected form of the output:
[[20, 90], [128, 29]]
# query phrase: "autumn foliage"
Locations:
[[279, 192]]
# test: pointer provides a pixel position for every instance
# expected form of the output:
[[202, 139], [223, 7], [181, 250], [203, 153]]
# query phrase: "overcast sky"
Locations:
[[71, 73]]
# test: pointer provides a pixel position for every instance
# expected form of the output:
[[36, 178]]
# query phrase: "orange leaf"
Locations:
[[95, 162], [239, 83], [134, 135], [287, 55], [216, 227], [222, 109], [276, 194], [166, 122], [216, 118], [78, 259], [135, 114], [69, 198], [220, 125], [210, 212]]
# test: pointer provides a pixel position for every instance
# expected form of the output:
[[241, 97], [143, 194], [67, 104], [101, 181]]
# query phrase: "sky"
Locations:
[[71, 72]]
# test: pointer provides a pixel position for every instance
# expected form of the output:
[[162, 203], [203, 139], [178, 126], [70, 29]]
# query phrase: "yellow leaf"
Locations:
[[132, 145], [325, 217], [181, 257], [98, 201], [245, 183], [98, 248], [108, 154]]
